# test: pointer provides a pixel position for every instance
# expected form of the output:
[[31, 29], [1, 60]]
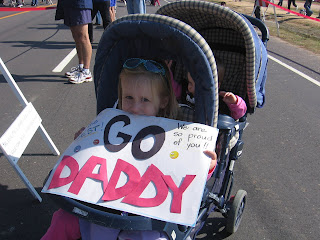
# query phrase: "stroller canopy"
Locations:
[[153, 36], [234, 40]]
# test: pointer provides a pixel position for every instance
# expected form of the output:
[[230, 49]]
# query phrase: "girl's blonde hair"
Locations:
[[160, 85]]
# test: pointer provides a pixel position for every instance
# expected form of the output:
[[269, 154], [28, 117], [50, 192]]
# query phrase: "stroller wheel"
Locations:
[[236, 211]]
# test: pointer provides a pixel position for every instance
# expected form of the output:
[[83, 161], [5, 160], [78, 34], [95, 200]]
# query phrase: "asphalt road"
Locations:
[[280, 164]]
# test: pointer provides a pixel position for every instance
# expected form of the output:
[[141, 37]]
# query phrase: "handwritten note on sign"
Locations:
[[150, 166]]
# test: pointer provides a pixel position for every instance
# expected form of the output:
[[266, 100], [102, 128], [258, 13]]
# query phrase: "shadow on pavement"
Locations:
[[23, 217]]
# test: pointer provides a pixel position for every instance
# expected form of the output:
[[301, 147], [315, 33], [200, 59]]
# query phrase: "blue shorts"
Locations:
[[76, 16], [112, 3]]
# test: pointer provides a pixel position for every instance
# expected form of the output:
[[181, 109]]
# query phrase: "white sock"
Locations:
[[86, 70], [81, 66]]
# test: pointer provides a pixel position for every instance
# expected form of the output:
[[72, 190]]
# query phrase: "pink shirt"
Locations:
[[238, 109]]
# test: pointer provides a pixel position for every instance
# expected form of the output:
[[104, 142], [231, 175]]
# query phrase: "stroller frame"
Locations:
[[175, 39]]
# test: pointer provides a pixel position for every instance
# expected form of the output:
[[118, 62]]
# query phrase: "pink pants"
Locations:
[[64, 226], [157, 1]]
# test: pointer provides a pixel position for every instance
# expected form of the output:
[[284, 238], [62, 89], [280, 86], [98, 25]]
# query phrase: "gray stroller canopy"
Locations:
[[234, 40]]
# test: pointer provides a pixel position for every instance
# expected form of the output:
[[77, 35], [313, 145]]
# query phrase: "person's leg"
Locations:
[[289, 4], [257, 12], [143, 3], [98, 18], [294, 3], [112, 10], [136, 4], [105, 14], [90, 32], [307, 6], [130, 6], [77, 20], [64, 226], [95, 10], [90, 26], [83, 46], [111, 13], [19, 4], [139, 6]]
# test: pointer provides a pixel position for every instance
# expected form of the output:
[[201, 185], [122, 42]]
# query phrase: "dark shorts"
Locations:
[[75, 16]]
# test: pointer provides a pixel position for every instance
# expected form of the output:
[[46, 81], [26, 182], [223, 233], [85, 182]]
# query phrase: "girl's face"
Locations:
[[138, 98]]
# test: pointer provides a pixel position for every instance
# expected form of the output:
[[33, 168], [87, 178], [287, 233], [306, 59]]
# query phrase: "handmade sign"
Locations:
[[150, 166]]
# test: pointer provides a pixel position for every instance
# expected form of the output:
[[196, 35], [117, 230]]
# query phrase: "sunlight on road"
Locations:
[[295, 71]]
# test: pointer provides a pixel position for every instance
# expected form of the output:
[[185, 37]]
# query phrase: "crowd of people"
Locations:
[[306, 11], [21, 3], [307, 6]]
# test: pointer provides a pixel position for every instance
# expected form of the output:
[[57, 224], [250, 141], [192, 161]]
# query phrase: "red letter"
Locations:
[[72, 164], [152, 174], [86, 172], [177, 192], [133, 174]]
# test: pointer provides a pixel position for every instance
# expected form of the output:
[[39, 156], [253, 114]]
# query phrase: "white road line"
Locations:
[[65, 61], [295, 71]]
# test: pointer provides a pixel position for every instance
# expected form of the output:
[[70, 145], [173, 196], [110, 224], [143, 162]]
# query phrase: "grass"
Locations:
[[302, 32]]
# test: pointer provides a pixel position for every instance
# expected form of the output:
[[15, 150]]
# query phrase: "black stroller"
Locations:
[[155, 36]]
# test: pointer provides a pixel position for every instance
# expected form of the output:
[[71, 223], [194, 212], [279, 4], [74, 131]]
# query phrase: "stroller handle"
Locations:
[[262, 27]]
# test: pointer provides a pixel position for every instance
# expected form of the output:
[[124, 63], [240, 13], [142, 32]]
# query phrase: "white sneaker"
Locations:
[[20, 6], [73, 71], [81, 77]]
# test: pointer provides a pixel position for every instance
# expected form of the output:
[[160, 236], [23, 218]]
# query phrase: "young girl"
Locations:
[[229, 103], [144, 89]]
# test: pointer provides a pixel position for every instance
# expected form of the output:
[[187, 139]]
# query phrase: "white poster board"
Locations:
[[17, 137], [150, 166]]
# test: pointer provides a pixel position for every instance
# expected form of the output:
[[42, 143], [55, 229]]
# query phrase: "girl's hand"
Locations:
[[213, 157], [169, 63], [78, 133], [228, 97]]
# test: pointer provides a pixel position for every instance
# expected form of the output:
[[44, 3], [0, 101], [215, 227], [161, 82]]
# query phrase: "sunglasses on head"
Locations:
[[149, 65]]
